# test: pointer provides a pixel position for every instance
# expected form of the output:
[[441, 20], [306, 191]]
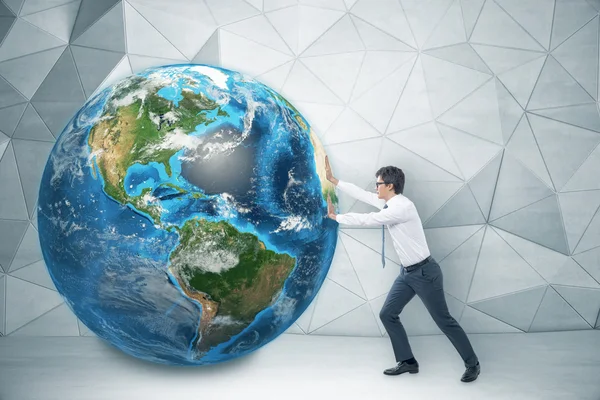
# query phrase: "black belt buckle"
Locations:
[[417, 265]]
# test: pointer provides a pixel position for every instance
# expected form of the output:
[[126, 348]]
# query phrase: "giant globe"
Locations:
[[183, 215]]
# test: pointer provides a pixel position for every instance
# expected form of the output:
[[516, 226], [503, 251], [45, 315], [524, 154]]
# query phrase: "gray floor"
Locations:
[[561, 365]]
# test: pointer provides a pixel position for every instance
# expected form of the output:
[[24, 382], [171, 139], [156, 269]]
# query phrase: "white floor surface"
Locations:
[[559, 365]]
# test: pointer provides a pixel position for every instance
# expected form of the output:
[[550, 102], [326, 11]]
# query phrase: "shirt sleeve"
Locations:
[[388, 216], [361, 194]]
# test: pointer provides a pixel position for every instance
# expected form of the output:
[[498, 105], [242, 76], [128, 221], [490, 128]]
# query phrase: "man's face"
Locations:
[[383, 189]]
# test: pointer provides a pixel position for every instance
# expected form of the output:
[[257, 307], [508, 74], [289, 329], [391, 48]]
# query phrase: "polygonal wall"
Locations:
[[489, 106]]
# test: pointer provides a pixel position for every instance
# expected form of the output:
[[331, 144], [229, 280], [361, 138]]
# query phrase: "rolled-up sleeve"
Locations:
[[388, 216]]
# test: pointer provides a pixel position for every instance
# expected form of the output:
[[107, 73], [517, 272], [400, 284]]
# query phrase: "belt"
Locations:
[[417, 265]]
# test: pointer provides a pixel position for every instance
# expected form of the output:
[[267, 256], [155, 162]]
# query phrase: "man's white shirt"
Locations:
[[400, 217]]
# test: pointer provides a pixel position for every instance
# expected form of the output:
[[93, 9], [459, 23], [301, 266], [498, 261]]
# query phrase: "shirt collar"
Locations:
[[393, 199]]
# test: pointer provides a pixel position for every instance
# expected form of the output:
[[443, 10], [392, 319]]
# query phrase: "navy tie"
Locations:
[[383, 242]]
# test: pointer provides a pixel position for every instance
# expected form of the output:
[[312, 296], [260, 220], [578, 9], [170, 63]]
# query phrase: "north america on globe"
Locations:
[[183, 216]]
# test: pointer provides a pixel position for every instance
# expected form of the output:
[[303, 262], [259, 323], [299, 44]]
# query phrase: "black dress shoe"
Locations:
[[471, 374], [401, 368]]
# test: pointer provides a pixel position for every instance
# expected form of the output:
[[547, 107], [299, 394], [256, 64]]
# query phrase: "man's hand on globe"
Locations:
[[330, 210], [329, 174]]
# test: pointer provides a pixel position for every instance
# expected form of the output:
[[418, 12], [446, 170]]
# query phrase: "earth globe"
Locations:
[[183, 215]]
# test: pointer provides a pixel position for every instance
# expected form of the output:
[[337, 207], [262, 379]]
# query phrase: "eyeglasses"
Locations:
[[380, 183]]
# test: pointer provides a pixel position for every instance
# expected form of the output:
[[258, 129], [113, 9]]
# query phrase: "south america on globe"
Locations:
[[183, 215]]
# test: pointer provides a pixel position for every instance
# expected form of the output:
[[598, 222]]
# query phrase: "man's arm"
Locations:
[[353, 190], [361, 194], [387, 216]]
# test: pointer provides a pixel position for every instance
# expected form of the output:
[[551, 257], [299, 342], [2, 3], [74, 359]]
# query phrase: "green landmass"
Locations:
[[242, 290], [128, 135], [252, 277]]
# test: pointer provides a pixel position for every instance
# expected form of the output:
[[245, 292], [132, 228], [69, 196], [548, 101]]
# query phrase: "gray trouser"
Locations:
[[427, 282]]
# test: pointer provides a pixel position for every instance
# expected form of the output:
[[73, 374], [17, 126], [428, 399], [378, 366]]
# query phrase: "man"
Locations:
[[420, 273]]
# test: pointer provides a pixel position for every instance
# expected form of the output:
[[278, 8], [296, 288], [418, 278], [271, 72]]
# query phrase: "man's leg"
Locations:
[[400, 294], [430, 288]]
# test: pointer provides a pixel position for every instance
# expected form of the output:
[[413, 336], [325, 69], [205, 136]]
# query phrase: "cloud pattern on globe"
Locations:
[[182, 215]]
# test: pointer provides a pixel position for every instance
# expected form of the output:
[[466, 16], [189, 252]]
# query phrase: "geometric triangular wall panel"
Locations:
[[494, 19], [450, 30], [57, 21], [342, 272], [483, 185], [591, 236], [37, 40], [524, 147], [377, 104], [517, 187], [556, 88], [376, 38], [26, 301], [471, 9], [293, 24], [334, 301], [423, 18], [539, 222], [569, 17], [590, 262], [578, 56], [516, 309], [461, 146], [449, 83], [552, 266], [357, 322], [144, 39], [443, 241], [489, 107], [553, 137], [500, 270], [31, 159], [583, 115], [35, 273], [534, 17], [341, 37], [2, 304], [90, 11], [259, 30], [107, 33], [59, 321], [9, 118], [32, 127], [11, 196], [555, 314], [461, 209], [230, 11], [459, 266], [521, 80], [377, 66], [583, 300], [27, 73], [414, 107], [186, 31], [390, 18], [578, 209], [475, 321], [93, 65], [583, 178], [426, 141], [29, 250], [477, 114]]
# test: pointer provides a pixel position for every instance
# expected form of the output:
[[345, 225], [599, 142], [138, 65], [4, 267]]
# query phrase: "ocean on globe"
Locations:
[[183, 216]]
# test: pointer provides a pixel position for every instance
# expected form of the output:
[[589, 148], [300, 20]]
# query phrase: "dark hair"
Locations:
[[394, 175]]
